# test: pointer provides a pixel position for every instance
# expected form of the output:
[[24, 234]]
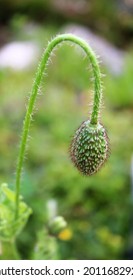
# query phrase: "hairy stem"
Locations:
[[40, 71]]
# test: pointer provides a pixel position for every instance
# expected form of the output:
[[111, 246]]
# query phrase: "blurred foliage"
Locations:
[[119, 89], [47, 252], [97, 208], [9, 227], [113, 19]]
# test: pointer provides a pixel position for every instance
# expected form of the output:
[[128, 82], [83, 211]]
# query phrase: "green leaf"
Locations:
[[9, 226]]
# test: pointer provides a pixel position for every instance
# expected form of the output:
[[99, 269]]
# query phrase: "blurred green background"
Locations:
[[98, 209]]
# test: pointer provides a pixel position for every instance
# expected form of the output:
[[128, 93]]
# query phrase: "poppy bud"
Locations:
[[89, 148]]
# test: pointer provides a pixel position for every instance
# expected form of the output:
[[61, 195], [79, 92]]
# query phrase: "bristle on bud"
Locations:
[[89, 148]]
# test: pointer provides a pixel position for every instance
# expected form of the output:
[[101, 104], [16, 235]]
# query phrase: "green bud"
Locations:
[[56, 225], [89, 148]]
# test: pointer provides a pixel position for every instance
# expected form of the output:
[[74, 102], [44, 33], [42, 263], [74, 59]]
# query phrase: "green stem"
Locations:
[[41, 69]]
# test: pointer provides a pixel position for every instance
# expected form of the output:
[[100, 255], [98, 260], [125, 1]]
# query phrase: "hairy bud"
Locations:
[[89, 148]]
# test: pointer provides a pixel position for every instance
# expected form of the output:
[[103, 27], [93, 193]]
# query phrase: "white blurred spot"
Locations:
[[18, 55], [52, 208]]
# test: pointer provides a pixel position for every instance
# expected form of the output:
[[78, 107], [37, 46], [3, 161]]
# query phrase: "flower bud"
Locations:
[[89, 148], [56, 225]]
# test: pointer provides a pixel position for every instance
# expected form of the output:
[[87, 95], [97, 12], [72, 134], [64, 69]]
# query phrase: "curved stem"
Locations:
[[41, 69]]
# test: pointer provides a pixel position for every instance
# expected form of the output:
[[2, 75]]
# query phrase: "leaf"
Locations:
[[9, 226]]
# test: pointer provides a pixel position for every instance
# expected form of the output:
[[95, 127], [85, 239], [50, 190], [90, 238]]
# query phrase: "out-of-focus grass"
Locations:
[[96, 207]]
